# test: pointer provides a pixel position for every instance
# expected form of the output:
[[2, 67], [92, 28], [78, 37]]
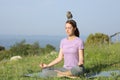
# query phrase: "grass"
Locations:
[[97, 59]]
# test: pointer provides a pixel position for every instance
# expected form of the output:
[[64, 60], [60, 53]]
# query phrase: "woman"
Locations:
[[72, 50]]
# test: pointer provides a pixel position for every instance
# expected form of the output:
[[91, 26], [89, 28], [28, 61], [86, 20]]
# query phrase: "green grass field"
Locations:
[[97, 59]]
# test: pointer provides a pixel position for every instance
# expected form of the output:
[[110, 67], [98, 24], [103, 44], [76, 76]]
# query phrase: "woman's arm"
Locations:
[[57, 60], [81, 57]]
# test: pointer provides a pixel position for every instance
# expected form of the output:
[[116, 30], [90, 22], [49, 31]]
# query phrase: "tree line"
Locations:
[[24, 49]]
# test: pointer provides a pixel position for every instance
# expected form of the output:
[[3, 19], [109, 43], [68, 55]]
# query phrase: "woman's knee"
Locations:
[[77, 71]]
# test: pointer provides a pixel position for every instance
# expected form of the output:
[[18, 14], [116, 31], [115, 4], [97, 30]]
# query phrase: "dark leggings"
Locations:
[[47, 72]]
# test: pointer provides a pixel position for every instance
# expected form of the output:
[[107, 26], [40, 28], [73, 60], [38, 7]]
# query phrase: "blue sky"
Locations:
[[48, 17]]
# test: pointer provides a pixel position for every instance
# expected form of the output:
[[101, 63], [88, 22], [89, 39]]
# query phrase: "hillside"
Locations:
[[97, 59]]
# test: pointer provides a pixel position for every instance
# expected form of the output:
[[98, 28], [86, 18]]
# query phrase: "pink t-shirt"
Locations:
[[70, 50]]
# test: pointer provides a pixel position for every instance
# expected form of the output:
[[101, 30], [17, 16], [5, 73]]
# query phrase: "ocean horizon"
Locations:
[[9, 40]]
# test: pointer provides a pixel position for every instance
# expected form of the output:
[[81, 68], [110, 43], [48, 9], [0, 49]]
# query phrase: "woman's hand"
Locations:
[[42, 65]]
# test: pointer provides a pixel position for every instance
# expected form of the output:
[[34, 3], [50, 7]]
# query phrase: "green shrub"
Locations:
[[24, 49], [49, 48], [2, 48], [19, 49], [4, 54], [97, 38], [34, 49]]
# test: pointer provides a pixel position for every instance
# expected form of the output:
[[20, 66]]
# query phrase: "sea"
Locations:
[[9, 40]]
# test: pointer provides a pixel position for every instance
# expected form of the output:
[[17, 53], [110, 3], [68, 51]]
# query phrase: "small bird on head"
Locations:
[[69, 15]]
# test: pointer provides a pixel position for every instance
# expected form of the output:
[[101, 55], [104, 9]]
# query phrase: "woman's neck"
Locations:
[[71, 37]]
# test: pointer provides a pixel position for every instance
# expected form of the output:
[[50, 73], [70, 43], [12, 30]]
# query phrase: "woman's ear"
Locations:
[[74, 29]]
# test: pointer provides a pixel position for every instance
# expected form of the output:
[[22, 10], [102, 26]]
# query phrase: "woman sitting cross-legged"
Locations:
[[72, 51]]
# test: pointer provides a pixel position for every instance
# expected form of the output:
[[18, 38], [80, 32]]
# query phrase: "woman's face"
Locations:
[[69, 29]]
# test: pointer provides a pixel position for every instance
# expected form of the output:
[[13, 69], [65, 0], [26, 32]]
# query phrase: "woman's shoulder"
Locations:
[[79, 39]]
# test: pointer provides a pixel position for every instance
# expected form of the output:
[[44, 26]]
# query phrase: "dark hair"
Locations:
[[74, 24]]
